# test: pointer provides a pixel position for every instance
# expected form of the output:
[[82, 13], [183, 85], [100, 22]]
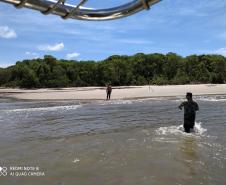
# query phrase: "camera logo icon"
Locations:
[[3, 171]]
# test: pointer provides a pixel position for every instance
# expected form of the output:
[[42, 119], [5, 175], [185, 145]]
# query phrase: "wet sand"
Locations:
[[121, 92]]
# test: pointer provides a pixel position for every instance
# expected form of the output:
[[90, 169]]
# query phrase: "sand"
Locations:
[[122, 92]]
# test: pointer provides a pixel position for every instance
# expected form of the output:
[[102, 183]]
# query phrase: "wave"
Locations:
[[204, 98], [212, 99], [54, 108], [117, 102], [131, 101], [175, 130], [174, 99]]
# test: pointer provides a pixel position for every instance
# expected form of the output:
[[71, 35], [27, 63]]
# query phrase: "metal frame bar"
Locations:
[[53, 7], [75, 9], [145, 4], [21, 4], [84, 13]]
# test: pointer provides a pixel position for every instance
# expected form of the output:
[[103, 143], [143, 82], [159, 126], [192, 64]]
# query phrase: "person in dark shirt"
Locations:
[[190, 108], [108, 91]]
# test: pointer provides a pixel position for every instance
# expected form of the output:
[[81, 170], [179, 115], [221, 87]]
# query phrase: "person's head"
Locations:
[[189, 96]]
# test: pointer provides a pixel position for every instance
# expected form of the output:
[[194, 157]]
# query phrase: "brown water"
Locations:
[[118, 142]]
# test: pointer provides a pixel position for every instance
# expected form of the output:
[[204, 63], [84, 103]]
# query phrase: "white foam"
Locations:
[[122, 102], [76, 160], [54, 108], [169, 130], [175, 130], [212, 99], [199, 129], [117, 102]]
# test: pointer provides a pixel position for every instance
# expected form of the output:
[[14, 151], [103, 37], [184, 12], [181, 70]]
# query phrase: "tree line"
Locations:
[[139, 69]]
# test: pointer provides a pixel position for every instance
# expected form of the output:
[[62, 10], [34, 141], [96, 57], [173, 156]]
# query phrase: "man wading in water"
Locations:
[[190, 108]]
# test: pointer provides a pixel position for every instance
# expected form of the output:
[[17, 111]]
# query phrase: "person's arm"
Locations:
[[181, 105], [197, 107]]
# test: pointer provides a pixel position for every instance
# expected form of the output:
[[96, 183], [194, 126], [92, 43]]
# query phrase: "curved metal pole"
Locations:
[[75, 9], [53, 7], [21, 4], [83, 13]]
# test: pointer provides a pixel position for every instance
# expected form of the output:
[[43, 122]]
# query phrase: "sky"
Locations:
[[184, 27]]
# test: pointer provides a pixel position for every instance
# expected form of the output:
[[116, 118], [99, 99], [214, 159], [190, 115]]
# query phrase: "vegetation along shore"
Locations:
[[139, 69]]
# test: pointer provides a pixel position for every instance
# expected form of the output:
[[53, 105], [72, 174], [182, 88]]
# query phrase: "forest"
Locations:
[[139, 69]]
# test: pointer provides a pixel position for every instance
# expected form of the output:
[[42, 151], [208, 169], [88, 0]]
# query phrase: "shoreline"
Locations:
[[118, 92]]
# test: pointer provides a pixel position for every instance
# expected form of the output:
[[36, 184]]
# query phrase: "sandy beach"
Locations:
[[122, 92]]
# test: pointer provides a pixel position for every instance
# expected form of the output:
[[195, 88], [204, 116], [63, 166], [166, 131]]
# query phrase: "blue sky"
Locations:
[[182, 26]]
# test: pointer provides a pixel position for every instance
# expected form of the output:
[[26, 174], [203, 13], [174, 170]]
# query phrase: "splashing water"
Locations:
[[175, 130]]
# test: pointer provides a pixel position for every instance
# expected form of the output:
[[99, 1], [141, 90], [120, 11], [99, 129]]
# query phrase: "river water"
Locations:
[[118, 142]]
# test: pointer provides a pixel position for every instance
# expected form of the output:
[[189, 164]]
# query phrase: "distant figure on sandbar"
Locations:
[[108, 91], [190, 108]]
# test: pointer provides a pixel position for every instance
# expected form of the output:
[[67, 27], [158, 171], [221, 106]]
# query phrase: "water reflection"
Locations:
[[190, 155]]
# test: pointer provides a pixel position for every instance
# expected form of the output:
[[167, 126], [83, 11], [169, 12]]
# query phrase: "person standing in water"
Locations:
[[190, 108], [108, 91]]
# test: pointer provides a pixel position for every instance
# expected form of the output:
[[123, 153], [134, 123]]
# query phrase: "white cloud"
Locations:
[[5, 64], [220, 51], [31, 54], [47, 47], [7, 33], [72, 55]]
